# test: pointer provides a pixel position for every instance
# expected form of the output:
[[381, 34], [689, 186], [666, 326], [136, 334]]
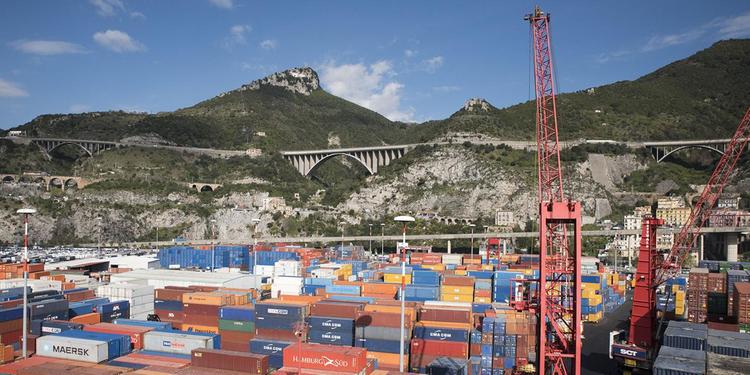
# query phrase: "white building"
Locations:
[[504, 218]]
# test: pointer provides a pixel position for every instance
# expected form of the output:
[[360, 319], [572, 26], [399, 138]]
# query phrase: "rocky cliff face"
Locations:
[[302, 81], [453, 182], [477, 105]]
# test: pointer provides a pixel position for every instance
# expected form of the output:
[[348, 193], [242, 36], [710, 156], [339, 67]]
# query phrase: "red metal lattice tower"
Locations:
[[643, 312], [559, 224], [685, 240]]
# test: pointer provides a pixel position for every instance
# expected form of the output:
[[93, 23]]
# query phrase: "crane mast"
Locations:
[[653, 269], [685, 240], [559, 301]]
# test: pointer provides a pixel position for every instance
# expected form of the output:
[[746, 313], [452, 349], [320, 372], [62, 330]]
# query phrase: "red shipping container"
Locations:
[[169, 294], [230, 360], [326, 357], [336, 309], [458, 280], [443, 314], [135, 332], [201, 320], [170, 316], [236, 337], [11, 325], [275, 334], [198, 309], [11, 303], [440, 348], [8, 338]]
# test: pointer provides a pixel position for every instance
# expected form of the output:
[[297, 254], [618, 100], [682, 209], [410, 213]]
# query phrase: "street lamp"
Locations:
[[255, 222], [404, 220], [25, 212], [472, 225], [370, 225], [213, 246], [342, 234], [99, 235], [382, 237]]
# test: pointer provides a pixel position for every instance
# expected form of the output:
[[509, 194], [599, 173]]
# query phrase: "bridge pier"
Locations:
[[731, 243]]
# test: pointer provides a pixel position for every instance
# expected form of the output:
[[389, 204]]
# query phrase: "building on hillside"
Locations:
[[664, 241], [642, 211], [729, 218], [504, 218], [728, 202], [670, 202], [674, 217]]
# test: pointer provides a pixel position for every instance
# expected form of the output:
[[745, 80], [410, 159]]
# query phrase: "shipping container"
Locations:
[[325, 357], [56, 346], [230, 360], [178, 342]]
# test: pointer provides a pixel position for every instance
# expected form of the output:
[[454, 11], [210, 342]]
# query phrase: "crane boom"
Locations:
[[559, 300], [685, 240]]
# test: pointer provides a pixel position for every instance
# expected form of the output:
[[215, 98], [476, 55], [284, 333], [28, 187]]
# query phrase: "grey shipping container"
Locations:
[[668, 351], [380, 333], [687, 325], [725, 365], [685, 338], [92, 351], [730, 345], [175, 342], [667, 365]]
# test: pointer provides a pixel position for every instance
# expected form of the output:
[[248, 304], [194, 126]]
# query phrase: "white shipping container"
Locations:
[[76, 349], [324, 273], [452, 259], [170, 342], [264, 270], [287, 268]]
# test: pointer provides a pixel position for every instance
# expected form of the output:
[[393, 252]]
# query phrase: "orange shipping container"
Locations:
[[212, 299], [199, 328], [380, 288], [386, 358], [91, 318], [408, 311], [136, 333]]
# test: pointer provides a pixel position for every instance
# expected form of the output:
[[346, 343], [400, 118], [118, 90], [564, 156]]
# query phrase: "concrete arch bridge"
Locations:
[[62, 182]]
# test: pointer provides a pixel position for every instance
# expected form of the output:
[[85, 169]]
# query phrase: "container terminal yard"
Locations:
[[275, 307]]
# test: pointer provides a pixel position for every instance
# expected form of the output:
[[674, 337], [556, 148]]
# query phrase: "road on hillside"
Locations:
[[595, 356]]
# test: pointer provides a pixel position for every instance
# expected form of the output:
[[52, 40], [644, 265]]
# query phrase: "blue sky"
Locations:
[[409, 60]]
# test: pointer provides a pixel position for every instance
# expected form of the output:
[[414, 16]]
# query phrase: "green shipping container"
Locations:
[[236, 325]]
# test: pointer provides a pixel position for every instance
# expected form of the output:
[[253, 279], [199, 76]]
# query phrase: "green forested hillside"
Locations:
[[701, 96]]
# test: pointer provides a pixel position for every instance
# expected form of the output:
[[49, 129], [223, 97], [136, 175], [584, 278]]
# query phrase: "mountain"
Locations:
[[289, 107], [702, 96], [697, 97]]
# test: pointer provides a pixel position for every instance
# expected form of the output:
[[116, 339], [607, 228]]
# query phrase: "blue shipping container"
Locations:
[[331, 324]]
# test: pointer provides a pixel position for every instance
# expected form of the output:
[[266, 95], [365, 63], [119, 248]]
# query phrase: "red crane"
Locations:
[[653, 270], [559, 301]]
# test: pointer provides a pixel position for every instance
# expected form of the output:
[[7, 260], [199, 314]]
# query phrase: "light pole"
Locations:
[[472, 225], [382, 237], [370, 225], [404, 220], [255, 222], [342, 234], [99, 235], [213, 246], [25, 212]]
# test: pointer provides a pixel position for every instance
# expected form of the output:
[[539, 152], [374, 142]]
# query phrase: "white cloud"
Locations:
[[137, 15], [663, 41], [118, 41], [446, 88], [47, 47], [79, 108], [11, 90], [224, 4], [722, 28], [237, 35], [269, 44], [431, 65], [369, 86], [410, 52], [735, 27], [107, 8]]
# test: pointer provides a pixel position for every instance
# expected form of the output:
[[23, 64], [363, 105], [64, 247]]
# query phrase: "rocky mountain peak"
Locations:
[[477, 105], [303, 80]]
